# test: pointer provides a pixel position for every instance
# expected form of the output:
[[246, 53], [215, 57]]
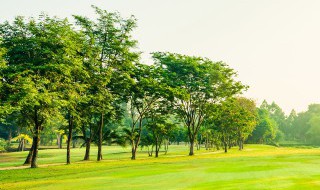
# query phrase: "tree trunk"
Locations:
[[133, 153], [61, 139], [151, 150], [21, 145], [240, 144], [166, 146], [28, 159], [36, 140], [157, 148], [191, 147], [157, 151], [99, 156], [225, 147], [88, 144], [69, 138]]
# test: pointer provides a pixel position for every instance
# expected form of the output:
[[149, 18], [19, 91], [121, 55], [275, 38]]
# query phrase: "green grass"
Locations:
[[257, 167]]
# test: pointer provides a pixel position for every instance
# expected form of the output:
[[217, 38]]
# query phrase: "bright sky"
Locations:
[[273, 44]]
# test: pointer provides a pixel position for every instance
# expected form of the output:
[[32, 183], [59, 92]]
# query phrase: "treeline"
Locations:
[[83, 83], [275, 127]]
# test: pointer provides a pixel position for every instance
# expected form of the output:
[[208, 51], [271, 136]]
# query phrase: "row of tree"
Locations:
[[85, 76], [84, 80]]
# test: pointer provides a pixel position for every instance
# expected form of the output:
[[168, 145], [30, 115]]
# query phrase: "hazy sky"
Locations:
[[273, 44]]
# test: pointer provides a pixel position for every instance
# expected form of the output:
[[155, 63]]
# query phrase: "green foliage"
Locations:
[[266, 129], [194, 83], [3, 145]]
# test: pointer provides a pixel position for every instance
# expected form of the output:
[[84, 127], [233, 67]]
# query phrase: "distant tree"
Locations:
[[266, 129], [313, 134], [289, 130]]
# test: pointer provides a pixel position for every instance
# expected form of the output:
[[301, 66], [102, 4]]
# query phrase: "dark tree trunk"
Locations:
[[135, 143], [157, 152], [133, 153], [28, 159], [69, 138], [88, 144], [225, 147], [191, 147], [157, 148], [36, 140], [99, 156], [61, 139]]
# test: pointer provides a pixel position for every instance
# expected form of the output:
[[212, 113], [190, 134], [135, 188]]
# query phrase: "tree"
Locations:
[[247, 118], [160, 127], [107, 55], [266, 129], [313, 133], [195, 82], [39, 55], [145, 93], [290, 125]]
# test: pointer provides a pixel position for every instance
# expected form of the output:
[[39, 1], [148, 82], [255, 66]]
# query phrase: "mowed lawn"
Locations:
[[257, 167]]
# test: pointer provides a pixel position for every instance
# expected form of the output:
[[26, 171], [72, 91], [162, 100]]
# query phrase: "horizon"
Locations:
[[272, 45]]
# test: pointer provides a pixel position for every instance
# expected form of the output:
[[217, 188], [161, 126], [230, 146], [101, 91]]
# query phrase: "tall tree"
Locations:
[[108, 56], [196, 82], [39, 54], [145, 93]]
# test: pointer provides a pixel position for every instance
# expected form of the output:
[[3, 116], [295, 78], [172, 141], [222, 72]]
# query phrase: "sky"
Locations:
[[274, 45]]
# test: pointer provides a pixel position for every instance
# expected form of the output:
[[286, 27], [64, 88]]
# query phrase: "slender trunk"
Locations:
[[88, 145], [157, 151], [191, 147], [28, 159], [36, 140], [151, 150], [135, 143], [166, 146], [225, 147], [133, 153], [21, 145], [157, 148], [69, 138], [58, 140], [240, 144], [10, 135], [61, 139], [99, 156]]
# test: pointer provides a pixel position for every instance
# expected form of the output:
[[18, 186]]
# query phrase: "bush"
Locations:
[[4, 145]]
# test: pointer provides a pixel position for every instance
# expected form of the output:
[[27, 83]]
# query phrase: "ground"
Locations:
[[256, 167]]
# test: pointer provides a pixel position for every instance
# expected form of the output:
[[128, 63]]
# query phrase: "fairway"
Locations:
[[257, 167]]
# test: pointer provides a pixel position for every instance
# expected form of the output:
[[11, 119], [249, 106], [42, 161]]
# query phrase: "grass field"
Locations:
[[257, 167]]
